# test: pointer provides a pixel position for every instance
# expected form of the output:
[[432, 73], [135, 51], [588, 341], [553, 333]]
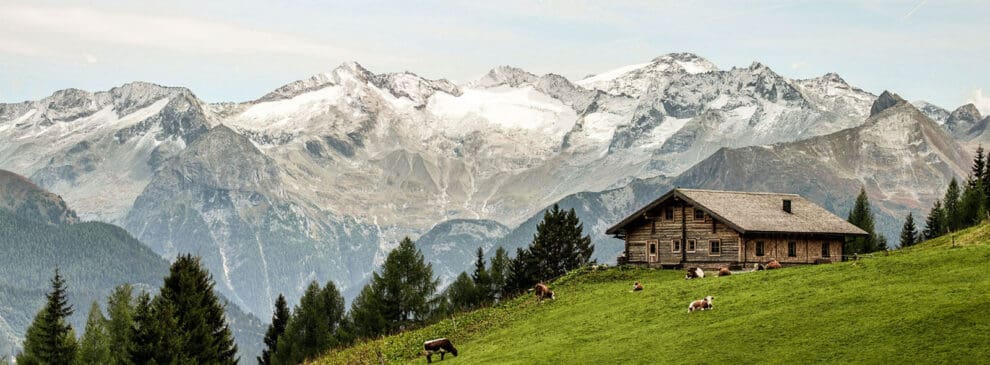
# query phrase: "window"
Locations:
[[653, 227], [759, 248], [792, 249], [825, 251], [699, 215], [669, 214], [690, 245], [653, 248], [675, 245], [714, 247]]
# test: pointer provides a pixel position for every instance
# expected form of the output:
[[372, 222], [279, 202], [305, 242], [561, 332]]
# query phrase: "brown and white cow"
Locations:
[[637, 286], [774, 264], [701, 304], [440, 345], [724, 272], [694, 273], [543, 292]]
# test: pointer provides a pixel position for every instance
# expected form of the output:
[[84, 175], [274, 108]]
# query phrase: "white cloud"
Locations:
[[981, 101], [58, 30], [797, 65]]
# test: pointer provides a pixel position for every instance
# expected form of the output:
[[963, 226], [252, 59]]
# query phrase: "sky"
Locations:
[[239, 50]]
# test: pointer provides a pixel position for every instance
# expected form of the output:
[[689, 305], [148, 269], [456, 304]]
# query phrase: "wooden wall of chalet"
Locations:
[[640, 233], [808, 250]]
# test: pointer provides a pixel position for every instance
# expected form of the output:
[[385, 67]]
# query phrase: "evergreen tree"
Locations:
[[951, 203], [979, 169], [188, 293], [313, 327], [482, 281], [972, 205], [50, 339], [402, 294], [862, 216], [500, 271], [935, 223], [157, 338], [146, 337], [909, 233], [461, 293], [94, 348], [120, 326], [368, 313], [558, 247], [280, 318]]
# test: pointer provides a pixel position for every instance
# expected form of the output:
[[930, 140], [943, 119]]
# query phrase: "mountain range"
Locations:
[[321, 177]]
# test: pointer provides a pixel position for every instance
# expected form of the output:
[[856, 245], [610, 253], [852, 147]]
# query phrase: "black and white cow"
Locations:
[[440, 345], [694, 273]]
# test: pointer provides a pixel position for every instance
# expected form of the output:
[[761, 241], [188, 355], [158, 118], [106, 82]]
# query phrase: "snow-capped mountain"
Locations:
[[319, 178]]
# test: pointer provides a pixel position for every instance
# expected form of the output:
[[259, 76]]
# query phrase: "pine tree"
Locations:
[[935, 223], [909, 233], [188, 292], [94, 348], [50, 339], [558, 245], [461, 293], [972, 205], [402, 294], [368, 313], [120, 326], [862, 216], [275, 330], [951, 202], [500, 271], [979, 169], [482, 281], [523, 272], [146, 337], [310, 331]]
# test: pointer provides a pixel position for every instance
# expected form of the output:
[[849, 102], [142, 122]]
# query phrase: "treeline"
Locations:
[[960, 207], [183, 324], [403, 293]]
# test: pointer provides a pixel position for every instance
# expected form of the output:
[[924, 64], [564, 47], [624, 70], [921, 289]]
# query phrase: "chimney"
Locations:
[[787, 205]]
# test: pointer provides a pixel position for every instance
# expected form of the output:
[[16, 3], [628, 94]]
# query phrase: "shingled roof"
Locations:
[[755, 212]]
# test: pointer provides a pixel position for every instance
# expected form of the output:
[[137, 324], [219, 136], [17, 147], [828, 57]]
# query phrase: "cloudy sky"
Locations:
[[238, 50]]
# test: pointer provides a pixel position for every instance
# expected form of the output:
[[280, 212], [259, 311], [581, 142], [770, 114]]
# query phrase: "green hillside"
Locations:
[[927, 304]]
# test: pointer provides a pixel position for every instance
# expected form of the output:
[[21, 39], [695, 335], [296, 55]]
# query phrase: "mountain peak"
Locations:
[[684, 61], [834, 77], [885, 101], [966, 112], [505, 75], [24, 198]]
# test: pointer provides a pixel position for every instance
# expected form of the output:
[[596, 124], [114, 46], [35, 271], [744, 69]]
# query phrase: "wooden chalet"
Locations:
[[710, 229]]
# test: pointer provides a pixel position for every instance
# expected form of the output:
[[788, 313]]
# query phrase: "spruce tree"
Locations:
[[972, 205], [188, 293], [500, 271], [523, 272], [951, 203], [50, 339], [909, 233], [862, 216], [314, 325], [280, 319], [482, 281], [559, 244], [120, 325], [935, 223], [461, 293], [94, 348], [402, 293], [146, 337]]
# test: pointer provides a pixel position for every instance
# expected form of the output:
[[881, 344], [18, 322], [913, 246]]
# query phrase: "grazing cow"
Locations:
[[773, 265], [543, 292], [694, 273], [701, 304], [759, 267], [724, 272], [441, 345], [637, 286]]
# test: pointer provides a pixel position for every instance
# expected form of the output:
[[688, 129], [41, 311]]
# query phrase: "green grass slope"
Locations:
[[928, 304]]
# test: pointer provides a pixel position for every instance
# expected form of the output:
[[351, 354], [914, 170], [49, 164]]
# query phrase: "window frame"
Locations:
[[696, 211], [692, 245], [652, 247], [826, 250], [715, 243], [791, 248], [760, 249], [675, 245], [668, 213]]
